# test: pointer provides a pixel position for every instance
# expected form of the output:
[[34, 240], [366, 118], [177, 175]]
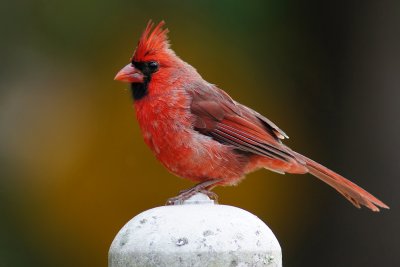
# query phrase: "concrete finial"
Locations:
[[196, 233]]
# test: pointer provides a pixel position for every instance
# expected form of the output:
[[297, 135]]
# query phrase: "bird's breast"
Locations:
[[165, 121], [167, 127]]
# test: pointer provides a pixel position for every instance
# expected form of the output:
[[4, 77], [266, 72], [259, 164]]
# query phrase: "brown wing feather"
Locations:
[[218, 116], [266, 122]]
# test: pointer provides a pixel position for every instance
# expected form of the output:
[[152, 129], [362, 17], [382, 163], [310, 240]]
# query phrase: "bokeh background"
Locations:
[[74, 168]]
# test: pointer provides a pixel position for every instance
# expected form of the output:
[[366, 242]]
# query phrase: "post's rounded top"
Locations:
[[195, 235]]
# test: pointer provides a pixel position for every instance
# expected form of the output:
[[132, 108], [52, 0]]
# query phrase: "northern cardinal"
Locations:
[[198, 132]]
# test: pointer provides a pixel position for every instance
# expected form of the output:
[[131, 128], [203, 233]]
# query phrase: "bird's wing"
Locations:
[[217, 115]]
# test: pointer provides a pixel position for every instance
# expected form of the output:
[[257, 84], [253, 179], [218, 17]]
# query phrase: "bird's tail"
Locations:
[[349, 190]]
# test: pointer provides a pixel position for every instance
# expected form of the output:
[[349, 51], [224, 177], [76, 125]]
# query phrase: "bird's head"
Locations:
[[151, 61]]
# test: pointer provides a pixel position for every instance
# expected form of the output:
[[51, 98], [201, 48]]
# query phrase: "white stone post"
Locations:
[[196, 233]]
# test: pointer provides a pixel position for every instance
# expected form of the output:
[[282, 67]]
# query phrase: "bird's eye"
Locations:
[[153, 66]]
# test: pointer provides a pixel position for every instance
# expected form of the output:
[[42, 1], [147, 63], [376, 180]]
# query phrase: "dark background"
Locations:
[[74, 168]]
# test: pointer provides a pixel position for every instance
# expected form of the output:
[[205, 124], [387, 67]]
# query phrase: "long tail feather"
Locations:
[[349, 190]]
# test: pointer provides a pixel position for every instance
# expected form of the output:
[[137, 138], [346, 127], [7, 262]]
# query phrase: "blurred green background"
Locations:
[[74, 168]]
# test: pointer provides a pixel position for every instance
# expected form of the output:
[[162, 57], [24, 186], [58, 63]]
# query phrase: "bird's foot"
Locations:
[[199, 188], [185, 195]]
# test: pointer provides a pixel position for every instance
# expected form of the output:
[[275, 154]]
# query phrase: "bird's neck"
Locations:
[[140, 90]]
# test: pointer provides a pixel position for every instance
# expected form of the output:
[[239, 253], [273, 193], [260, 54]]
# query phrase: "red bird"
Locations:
[[198, 132]]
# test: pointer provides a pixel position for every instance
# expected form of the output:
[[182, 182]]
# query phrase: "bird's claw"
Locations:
[[203, 187], [211, 195], [186, 194]]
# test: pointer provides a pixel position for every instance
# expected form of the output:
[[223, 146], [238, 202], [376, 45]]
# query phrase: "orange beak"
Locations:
[[129, 74]]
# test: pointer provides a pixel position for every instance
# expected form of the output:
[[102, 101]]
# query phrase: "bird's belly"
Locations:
[[189, 154]]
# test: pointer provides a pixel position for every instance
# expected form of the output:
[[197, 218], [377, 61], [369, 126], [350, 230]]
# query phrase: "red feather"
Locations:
[[151, 41]]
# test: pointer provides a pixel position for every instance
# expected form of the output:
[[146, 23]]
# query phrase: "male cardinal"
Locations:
[[198, 132]]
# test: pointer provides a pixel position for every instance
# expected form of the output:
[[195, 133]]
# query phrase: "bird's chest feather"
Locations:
[[166, 124], [167, 127]]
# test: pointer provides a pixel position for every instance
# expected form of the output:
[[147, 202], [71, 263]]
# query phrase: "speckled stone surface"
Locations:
[[196, 233]]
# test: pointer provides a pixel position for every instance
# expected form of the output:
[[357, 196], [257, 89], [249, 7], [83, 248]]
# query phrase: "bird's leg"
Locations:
[[203, 187]]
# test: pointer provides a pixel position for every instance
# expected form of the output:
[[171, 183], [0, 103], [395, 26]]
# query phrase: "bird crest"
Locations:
[[151, 41]]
